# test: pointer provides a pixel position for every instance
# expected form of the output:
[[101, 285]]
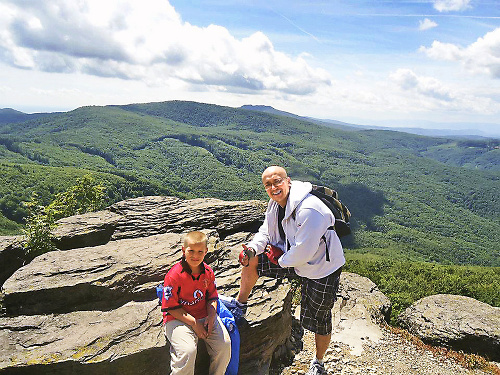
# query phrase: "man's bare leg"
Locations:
[[249, 277], [322, 344]]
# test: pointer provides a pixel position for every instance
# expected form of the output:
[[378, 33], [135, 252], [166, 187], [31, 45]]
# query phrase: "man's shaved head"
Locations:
[[277, 184], [274, 169]]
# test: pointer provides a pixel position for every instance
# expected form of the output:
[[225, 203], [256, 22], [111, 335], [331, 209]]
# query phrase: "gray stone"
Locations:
[[359, 312], [128, 340], [12, 256], [145, 216], [355, 289], [102, 277], [459, 322], [70, 286], [90, 229]]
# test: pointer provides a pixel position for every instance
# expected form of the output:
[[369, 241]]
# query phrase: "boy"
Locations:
[[189, 306]]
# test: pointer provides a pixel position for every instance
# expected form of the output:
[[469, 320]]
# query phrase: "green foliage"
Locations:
[[85, 196], [406, 202], [38, 230], [405, 282], [480, 154], [19, 181]]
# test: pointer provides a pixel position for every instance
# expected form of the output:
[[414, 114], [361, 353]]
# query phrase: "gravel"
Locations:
[[391, 354]]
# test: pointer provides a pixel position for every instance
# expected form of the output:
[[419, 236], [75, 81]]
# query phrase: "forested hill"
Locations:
[[412, 197]]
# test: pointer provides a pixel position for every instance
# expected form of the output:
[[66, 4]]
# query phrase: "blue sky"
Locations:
[[398, 63]]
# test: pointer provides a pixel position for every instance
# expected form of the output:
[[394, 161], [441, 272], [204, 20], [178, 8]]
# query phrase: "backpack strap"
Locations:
[[323, 237]]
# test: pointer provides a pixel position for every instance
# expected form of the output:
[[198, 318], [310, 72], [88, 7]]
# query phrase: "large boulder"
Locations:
[[103, 277], [359, 312], [359, 290], [93, 309], [147, 216], [127, 340], [459, 322]]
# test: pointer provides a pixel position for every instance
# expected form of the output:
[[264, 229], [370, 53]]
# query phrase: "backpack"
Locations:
[[159, 293], [339, 210]]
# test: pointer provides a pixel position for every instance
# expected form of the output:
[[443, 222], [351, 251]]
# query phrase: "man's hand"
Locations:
[[246, 254], [273, 253]]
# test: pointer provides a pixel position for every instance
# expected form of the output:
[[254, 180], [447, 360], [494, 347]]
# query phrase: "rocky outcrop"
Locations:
[[126, 340], [358, 312], [91, 306], [147, 216], [12, 256], [459, 322]]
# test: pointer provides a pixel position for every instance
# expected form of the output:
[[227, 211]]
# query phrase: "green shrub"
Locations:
[[84, 196]]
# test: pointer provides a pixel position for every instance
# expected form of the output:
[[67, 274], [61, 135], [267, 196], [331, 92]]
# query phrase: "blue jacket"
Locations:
[[228, 320]]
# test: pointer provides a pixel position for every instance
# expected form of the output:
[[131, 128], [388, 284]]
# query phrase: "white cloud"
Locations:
[[451, 5], [426, 24], [146, 41], [482, 56], [427, 86], [430, 93]]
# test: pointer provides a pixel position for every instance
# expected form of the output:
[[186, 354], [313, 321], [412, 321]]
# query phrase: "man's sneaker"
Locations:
[[236, 308], [317, 368]]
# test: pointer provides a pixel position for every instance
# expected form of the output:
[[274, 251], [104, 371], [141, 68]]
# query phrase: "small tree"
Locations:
[[38, 229], [84, 196]]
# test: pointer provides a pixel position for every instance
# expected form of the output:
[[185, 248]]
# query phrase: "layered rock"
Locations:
[[459, 322], [93, 309], [12, 256], [127, 340]]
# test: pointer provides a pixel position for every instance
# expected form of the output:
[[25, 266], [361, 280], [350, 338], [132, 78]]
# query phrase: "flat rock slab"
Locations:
[[123, 341], [92, 278], [147, 216], [459, 322], [103, 276]]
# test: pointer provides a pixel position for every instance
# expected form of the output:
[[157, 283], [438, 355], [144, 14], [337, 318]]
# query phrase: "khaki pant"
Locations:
[[183, 348]]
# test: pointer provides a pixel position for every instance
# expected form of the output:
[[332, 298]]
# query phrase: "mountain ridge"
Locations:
[[405, 201]]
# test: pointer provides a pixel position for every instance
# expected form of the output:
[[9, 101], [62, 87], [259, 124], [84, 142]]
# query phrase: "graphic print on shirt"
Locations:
[[198, 296], [167, 292]]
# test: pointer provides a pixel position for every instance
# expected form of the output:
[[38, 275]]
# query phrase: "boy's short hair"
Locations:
[[195, 237]]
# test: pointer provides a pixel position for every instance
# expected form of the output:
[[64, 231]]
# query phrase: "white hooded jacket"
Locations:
[[307, 253]]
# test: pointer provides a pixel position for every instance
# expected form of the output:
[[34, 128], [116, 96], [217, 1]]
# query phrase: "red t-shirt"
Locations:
[[181, 289]]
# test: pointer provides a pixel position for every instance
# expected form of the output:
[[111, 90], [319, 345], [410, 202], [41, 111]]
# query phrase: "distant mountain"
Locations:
[[9, 115], [436, 131], [409, 194], [12, 116], [271, 110]]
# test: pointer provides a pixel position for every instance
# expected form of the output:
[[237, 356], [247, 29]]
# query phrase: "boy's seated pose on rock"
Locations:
[[189, 306]]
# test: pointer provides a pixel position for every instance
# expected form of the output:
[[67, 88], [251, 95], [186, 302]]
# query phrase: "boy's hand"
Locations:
[[209, 324], [199, 329], [245, 255], [273, 253]]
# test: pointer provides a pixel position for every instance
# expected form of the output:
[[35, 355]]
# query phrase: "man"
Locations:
[[292, 242]]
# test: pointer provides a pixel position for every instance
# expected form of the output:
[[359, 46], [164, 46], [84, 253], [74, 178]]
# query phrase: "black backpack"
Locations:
[[339, 210]]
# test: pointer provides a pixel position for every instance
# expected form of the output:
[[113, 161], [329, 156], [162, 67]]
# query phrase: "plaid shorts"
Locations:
[[317, 295]]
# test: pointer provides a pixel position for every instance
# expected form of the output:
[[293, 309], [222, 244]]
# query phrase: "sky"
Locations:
[[427, 63]]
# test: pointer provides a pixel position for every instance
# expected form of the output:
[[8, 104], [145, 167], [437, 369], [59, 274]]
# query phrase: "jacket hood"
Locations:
[[298, 191]]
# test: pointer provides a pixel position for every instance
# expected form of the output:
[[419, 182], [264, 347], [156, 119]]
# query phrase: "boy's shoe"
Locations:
[[236, 308], [317, 368]]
